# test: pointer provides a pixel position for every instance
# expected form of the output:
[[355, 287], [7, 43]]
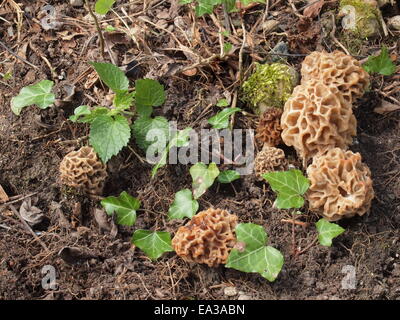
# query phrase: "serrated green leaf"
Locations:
[[81, 115], [228, 176], [255, 255], [149, 93], [221, 119], [203, 177], [124, 207], [153, 244], [103, 6], [180, 139], [123, 100], [380, 64], [112, 76], [108, 135], [183, 206], [290, 186], [327, 231], [38, 94], [143, 125]]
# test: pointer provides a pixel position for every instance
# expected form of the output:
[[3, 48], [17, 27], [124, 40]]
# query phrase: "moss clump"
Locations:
[[269, 86], [367, 16]]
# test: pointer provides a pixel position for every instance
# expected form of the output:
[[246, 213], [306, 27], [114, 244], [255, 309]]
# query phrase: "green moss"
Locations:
[[269, 86], [367, 17]]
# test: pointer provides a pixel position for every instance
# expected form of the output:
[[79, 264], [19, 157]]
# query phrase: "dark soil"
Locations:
[[33, 144]]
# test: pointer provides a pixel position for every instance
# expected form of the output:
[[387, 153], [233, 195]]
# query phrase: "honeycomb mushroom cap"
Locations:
[[338, 69], [270, 159], [83, 170], [269, 128], [316, 118], [340, 185], [269, 86], [207, 238]]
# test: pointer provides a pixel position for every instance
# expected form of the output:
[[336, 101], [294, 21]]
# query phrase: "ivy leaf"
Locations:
[[290, 186], [180, 139], [124, 206], [228, 176], [221, 119], [327, 231], [103, 6], [255, 256], [108, 135], [123, 100], [183, 205], [143, 125], [149, 93], [81, 111], [380, 64], [154, 244], [222, 103], [38, 94], [203, 177], [112, 76]]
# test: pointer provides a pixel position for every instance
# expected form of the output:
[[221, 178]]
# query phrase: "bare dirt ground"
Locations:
[[33, 144]]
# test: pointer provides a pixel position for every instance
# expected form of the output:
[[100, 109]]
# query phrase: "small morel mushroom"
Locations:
[[316, 118], [269, 159], [340, 185], [269, 86], [83, 170], [207, 238], [269, 128], [337, 69]]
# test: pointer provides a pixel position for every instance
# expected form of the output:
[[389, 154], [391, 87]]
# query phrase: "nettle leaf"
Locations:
[[143, 125], [180, 139], [203, 177], [380, 64], [103, 6], [149, 93], [80, 112], [112, 76], [221, 119], [84, 114], [255, 256], [290, 186], [124, 206], [228, 176], [327, 231], [123, 100], [38, 94], [154, 244], [183, 206], [108, 135]]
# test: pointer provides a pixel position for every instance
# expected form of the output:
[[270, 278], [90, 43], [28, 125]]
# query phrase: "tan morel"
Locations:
[[316, 118], [337, 69], [207, 238], [269, 159], [269, 128], [83, 170], [340, 185]]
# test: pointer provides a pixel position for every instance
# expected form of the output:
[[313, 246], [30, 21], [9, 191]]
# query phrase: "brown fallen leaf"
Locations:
[[30, 213], [314, 8], [3, 195], [386, 107]]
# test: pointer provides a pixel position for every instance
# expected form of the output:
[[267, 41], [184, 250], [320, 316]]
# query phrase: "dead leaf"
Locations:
[[190, 72], [386, 107], [314, 8], [63, 221], [74, 255], [30, 213], [3, 195]]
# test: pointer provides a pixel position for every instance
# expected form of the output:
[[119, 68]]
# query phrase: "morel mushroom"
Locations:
[[337, 69], [316, 118], [207, 238], [270, 159], [341, 185], [83, 170], [269, 128]]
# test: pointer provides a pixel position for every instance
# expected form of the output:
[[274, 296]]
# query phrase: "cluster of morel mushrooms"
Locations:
[[317, 120]]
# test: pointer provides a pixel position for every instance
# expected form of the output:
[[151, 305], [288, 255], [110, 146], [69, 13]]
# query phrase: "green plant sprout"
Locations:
[[381, 64], [207, 6], [291, 186], [221, 119]]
